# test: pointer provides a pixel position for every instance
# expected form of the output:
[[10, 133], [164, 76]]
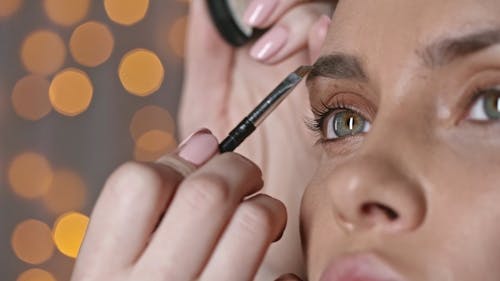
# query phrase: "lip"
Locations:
[[360, 267]]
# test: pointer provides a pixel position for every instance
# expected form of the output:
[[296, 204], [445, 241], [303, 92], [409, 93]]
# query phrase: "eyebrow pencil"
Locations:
[[246, 127]]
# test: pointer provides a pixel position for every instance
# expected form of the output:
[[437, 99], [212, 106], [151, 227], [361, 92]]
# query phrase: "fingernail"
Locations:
[[270, 43], [259, 11], [288, 277], [199, 147]]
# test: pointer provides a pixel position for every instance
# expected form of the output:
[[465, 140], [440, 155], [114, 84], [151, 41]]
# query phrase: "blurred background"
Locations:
[[84, 86]]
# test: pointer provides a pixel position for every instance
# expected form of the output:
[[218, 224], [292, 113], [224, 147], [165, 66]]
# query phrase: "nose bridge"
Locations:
[[401, 129]]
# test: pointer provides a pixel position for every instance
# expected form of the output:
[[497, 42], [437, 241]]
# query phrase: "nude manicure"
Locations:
[[259, 11], [199, 147], [270, 43]]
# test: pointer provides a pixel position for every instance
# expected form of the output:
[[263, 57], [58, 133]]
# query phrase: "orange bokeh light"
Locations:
[[71, 92], [9, 7], [32, 242], [66, 193], [141, 72], [30, 175], [43, 52], [30, 97], [149, 118], [68, 233], [177, 36], [126, 12], [66, 13], [91, 43], [35, 274], [153, 144]]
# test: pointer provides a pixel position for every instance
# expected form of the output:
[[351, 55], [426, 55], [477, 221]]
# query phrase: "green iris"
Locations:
[[348, 123], [492, 104]]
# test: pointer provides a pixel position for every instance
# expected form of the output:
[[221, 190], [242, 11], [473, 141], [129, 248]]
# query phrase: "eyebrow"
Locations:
[[447, 50], [436, 54], [338, 66]]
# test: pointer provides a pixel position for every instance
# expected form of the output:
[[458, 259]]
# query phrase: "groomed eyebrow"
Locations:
[[445, 51], [338, 66]]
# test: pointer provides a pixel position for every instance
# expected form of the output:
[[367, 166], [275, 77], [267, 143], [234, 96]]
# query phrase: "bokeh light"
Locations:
[[141, 72], [32, 242], [71, 92], [43, 52], [153, 144], [126, 12], [30, 175], [151, 117], [30, 97], [91, 43], [35, 274], [9, 7], [177, 36], [69, 231], [66, 12], [66, 193]]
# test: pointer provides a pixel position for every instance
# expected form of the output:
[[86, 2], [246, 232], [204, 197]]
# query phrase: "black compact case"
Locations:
[[229, 24]]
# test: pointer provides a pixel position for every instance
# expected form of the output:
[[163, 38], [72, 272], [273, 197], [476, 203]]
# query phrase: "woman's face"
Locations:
[[407, 95]]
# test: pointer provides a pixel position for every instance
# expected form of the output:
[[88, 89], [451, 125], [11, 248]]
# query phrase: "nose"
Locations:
[[370, 192]]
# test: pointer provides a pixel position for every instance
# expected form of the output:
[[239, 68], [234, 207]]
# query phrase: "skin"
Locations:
[[425, 157], [182, 219], [220, 89]]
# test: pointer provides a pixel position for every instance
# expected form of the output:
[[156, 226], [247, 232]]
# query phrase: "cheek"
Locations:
[[320, 234], [461, 234]]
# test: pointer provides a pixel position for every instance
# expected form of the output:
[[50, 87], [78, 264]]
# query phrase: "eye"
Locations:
[[487, 106], [345, 123]]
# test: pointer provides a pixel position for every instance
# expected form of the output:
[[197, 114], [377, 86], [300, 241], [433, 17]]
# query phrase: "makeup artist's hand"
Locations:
[[186, 217], [223, 84]]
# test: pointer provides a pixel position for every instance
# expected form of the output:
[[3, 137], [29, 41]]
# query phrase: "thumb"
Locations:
[[289, 277]]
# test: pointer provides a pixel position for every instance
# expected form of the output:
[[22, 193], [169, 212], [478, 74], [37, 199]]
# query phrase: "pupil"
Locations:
[[350, 122]]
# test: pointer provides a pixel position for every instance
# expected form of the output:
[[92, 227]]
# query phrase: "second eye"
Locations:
[[345, 123]]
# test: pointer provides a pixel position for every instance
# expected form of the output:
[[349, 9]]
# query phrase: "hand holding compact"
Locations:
[[186, 217], [222, 84]]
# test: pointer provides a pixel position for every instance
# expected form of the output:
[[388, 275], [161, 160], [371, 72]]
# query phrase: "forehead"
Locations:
[[399, 27]]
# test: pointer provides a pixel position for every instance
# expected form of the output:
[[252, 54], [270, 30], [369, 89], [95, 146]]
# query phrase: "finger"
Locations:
[[255, 225], [208, 65], [136, 194], [197, 216], [289, 277], [264, 13], [317, 36], [287, 36]]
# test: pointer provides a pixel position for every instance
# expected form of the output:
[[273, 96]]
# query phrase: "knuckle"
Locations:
[[241, 162], [254, 218], [129, 180], [206, 190]]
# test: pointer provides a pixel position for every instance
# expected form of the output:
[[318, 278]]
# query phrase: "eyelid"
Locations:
[[472, 92], [352, 101]]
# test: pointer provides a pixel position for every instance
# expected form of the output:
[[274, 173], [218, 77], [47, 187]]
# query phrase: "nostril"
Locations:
[[373, 209]]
